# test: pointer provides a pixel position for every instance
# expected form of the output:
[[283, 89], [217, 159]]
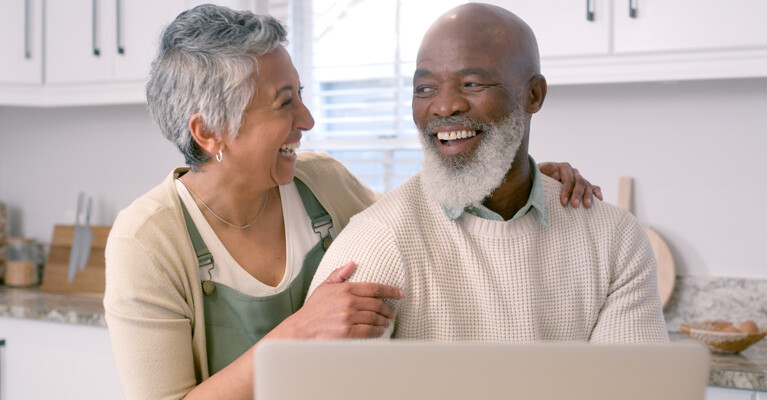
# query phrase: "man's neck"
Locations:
[[513, 194]]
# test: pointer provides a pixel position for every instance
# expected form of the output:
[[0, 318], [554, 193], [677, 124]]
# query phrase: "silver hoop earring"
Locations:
[[220, 155]]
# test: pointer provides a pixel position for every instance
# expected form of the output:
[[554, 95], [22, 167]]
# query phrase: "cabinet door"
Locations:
[[565, 27], [678, 25], [21, 27], [51, 360], [79, 41], [720, 393], [139, 25]]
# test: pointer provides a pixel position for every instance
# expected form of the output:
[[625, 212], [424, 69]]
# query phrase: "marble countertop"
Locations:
[[747, 370], [79, 309]]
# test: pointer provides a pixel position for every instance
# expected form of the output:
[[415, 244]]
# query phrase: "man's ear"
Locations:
[[536, 94], [205, 139]]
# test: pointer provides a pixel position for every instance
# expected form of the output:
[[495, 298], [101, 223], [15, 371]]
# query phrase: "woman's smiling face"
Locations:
[[272, 124]]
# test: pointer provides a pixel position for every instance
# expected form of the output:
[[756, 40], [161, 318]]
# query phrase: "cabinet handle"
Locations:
[[27, 26], [120, 47], [94, 34], [589, 10], [632, 9]]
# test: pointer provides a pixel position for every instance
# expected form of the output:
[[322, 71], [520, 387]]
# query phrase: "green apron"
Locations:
[[235, 321]]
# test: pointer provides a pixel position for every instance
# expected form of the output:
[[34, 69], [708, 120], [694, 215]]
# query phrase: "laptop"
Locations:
[[396, 370]]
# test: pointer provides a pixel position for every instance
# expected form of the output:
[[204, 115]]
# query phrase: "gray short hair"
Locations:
[[206, 64]]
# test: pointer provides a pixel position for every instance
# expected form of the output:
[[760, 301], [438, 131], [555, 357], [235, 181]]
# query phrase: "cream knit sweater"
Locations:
[[590, 276]]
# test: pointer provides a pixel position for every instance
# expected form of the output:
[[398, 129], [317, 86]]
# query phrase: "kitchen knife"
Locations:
[[86, 237], [74, 251]]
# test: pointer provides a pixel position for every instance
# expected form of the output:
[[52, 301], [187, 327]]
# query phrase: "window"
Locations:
[[356, 59]]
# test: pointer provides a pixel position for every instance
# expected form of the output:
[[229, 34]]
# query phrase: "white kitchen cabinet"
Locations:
[[566, 27], [661, 40], [689, 25], [98, 41], [48, 360], [721, 393], [21, 49]]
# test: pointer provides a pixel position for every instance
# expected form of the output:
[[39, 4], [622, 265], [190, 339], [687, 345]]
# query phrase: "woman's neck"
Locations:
[[234, 200]]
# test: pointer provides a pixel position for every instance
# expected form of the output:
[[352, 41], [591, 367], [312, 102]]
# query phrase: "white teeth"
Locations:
[[455, 135], [289, 149]]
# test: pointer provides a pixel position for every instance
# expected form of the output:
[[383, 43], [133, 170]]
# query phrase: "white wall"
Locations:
[[695, 150], [112, 153]]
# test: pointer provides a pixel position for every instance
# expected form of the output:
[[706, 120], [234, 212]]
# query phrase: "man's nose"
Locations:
[[448, 102]]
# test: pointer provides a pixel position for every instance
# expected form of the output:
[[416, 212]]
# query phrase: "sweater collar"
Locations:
[[536, 203]]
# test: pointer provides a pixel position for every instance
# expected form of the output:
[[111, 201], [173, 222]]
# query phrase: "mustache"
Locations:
[[456, 120]]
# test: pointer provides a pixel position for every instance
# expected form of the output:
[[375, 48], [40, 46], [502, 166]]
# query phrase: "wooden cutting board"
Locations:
[[89, 280], [666, 269]]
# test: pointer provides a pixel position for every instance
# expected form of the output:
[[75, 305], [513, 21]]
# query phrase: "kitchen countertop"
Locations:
[[81, 309], [747, 370]]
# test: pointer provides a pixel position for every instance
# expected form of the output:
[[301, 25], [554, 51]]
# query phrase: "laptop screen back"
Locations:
[[394, 370]]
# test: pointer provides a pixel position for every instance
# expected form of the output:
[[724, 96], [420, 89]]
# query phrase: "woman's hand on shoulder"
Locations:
[[339, 309], [575, 188]]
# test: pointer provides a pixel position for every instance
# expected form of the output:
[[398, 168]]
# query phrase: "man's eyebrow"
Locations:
[[420, 73], [282, 89], [473, 71]]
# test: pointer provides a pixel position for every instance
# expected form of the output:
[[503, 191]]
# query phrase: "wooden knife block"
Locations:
[[88, 280]]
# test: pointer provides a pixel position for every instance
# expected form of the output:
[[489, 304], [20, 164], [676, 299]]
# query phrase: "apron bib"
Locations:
[[235, 321]]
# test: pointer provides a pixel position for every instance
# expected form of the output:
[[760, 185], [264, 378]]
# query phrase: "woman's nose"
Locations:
[[304, 120]]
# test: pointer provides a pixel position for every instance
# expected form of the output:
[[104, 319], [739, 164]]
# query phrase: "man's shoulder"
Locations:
[[601, 214], [400, 205]]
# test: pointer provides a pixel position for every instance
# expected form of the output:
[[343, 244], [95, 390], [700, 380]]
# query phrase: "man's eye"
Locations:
[[423, 90], [472, 85]]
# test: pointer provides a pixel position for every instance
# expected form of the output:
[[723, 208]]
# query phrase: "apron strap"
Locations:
[[317, 213], [204, 257]]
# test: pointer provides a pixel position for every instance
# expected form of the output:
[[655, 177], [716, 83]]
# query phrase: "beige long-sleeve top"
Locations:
[[153, 298], [590, 275]]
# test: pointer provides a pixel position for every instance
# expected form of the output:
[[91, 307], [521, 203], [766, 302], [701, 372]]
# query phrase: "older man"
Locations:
[[478, 240]]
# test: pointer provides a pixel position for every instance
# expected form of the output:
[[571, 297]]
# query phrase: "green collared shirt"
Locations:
[[536, 201]]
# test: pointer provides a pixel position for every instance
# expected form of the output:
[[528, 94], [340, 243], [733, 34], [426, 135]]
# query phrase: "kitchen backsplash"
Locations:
[[706, 298]]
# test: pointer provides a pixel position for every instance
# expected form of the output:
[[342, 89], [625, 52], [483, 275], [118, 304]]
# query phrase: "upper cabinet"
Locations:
[[90, 41], [566, 28], [79, 52], [21, 49], [689, 25], [605, 41]]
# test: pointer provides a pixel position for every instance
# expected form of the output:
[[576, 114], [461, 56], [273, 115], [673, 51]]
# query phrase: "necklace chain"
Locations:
[[263, 206]]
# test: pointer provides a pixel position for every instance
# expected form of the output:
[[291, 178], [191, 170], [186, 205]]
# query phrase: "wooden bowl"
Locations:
[[710, 333]]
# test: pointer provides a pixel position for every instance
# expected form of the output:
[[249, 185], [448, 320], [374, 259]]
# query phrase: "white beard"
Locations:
[[461, 180]]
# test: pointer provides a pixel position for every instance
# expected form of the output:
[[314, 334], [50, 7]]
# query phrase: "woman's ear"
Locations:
[[206, 139], [536, 94]]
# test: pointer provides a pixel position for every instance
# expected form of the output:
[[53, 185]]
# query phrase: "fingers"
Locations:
[[597, 192], [568, 182], [366, 331], [341, 274], [370, 318], [377, 306], [579, 190], [369, 289]]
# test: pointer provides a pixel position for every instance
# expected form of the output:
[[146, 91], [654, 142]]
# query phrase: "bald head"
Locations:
[[490, 27]]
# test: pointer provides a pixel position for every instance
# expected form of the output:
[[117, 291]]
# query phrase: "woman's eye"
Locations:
[[300, 92], [287, 102]]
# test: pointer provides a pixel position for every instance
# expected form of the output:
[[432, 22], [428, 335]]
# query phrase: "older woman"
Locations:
[[220, 255]]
